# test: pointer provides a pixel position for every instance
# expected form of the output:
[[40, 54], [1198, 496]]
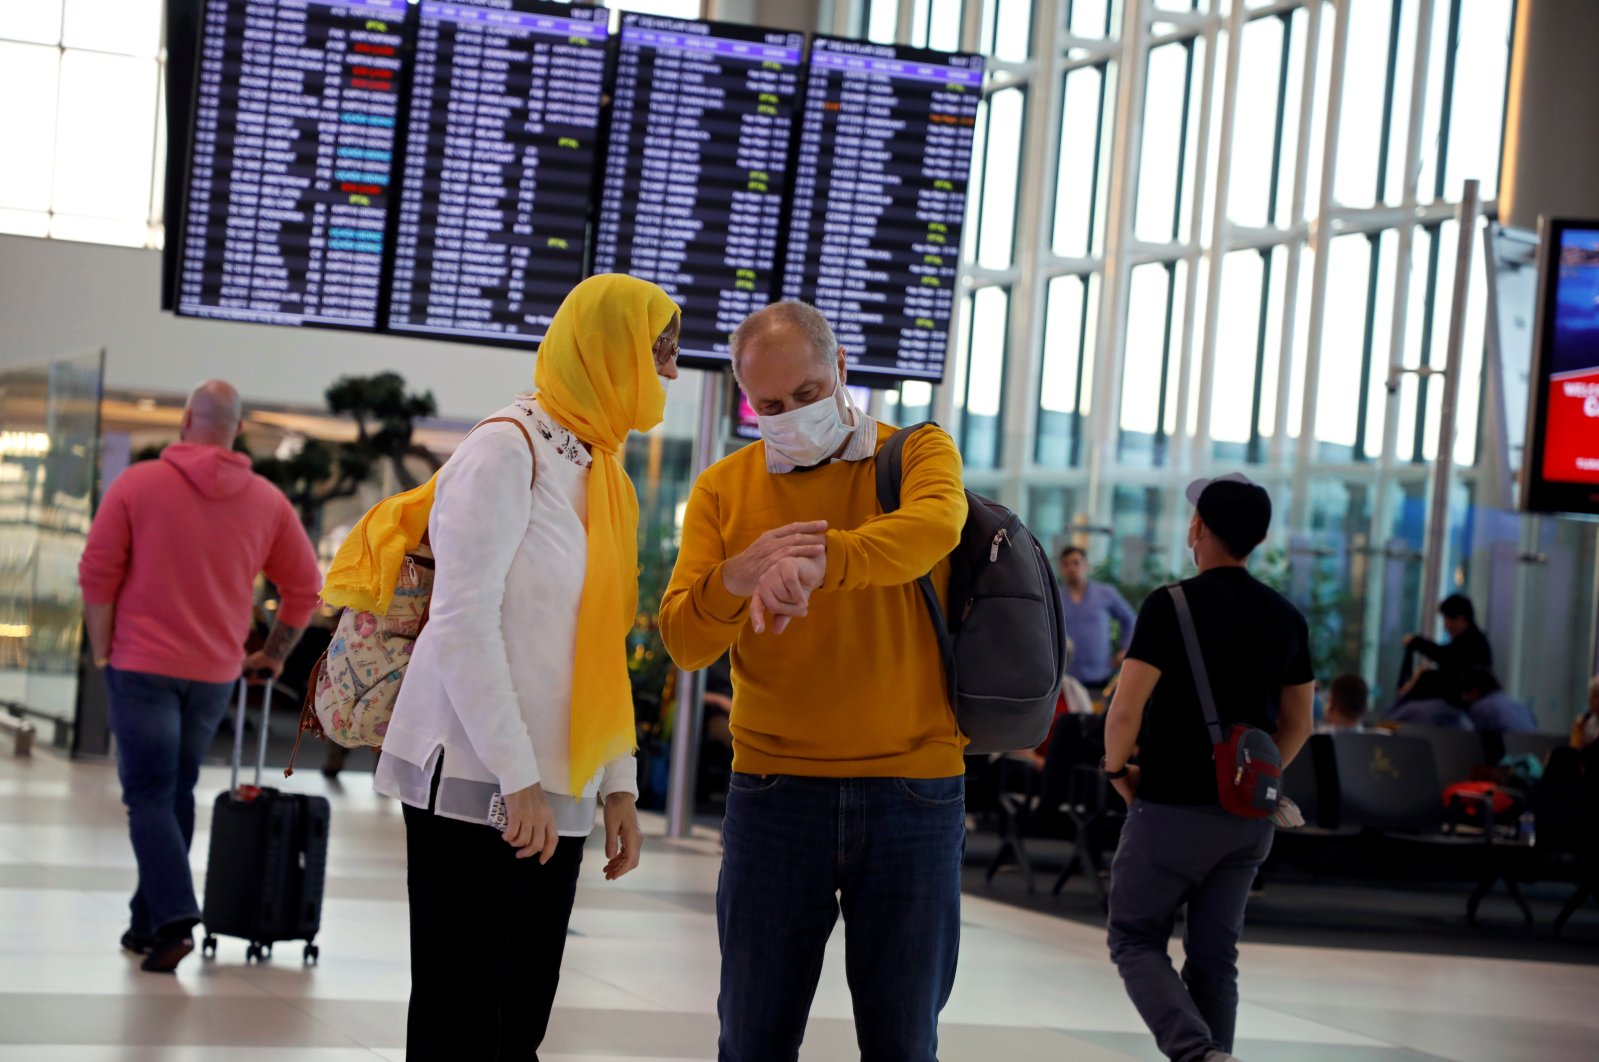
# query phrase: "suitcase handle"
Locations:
[[238, 732]]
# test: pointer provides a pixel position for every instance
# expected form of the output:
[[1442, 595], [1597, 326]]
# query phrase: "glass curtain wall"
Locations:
[[49, 449], [1208, 235]]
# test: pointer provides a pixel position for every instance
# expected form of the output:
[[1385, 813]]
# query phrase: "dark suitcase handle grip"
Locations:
[[238, 727]]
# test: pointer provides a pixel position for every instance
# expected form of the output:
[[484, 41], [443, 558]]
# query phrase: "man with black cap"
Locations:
[[1180, 846]]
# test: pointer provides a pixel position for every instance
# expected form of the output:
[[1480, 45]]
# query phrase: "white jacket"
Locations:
[[490, 681]]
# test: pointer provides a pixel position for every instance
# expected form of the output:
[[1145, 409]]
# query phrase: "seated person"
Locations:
[[1466, 650], [1492, 710], [1585, 732], [1348, 699], [1429, 711]]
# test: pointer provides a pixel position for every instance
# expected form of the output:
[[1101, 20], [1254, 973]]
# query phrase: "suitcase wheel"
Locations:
[[312, 954], [258, 953], [208, 947]]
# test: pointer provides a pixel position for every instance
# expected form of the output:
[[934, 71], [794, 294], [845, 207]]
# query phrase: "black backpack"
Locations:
[[1004, 644]]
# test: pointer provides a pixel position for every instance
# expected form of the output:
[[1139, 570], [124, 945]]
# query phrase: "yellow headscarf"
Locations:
[[596, 376], [367, 566]]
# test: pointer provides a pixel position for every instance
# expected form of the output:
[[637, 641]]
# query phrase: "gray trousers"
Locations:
[[1171, 856]]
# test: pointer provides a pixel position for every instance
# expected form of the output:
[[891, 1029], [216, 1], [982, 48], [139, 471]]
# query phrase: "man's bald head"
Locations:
[[785, 327], [785, 356], [213, 415]]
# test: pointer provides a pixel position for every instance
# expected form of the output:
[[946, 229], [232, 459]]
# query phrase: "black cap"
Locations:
[[1236, 508]]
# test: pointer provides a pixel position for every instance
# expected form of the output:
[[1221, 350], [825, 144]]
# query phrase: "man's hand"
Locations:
[[530, 824], [1127, 785], [99, 620], [742, 574], [280, 642], [256, 663], [785, 592], [623, 838]]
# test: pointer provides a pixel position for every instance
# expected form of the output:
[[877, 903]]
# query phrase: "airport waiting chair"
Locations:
[[1069, 799], [1301, 785], [1075, 789], [1389, 784], [1311, 781], [1386, 782], [1007, 789], [1537, 745], [1458, 754]]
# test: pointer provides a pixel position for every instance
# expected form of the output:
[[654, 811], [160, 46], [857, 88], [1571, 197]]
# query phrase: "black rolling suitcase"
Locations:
[[268, 861]]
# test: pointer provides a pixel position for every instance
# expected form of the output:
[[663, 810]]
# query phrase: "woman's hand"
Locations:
[[623, 838], [530, 824]]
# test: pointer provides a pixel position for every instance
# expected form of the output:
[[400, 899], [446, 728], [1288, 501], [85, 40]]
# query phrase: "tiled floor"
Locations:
[[640, 976]]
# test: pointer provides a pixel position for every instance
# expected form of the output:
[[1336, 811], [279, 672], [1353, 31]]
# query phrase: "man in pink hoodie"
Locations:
[[168, 580]]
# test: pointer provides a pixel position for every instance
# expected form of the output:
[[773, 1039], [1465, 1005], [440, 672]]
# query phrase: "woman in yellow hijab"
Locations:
[[515, 718]]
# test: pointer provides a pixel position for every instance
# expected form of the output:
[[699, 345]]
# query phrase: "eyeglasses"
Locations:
[[666, 350]]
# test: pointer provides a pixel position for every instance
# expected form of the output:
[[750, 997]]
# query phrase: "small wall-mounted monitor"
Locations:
[[1561, 471]]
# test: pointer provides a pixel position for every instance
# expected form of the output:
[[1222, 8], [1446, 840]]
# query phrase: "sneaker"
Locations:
[[138, 943], [1220, 1056], [167, 952]]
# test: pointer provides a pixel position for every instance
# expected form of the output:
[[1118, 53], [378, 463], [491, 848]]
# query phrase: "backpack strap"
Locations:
[[890, 473], [891, 465], [1196, 663], [525, 435]]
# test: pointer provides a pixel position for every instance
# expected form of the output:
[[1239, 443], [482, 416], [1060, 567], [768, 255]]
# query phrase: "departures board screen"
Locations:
[[287, 204], [697, 167], [879, 202], [502, 137], [452, 170]]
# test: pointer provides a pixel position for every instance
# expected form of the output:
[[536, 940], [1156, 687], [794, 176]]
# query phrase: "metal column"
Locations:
[[1321, 243], [691, 684], [1221, 235], [1443, 469], [1126, 141]]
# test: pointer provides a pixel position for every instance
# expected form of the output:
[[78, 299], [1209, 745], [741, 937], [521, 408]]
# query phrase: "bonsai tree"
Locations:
[[385, 416]]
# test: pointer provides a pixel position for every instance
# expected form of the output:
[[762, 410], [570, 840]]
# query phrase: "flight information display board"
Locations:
[[1560, 472], [879, 203], [290, 162], [498, 173], [697, 167]]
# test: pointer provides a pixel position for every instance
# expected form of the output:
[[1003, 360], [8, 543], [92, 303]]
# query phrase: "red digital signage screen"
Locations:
[[1562, 473]]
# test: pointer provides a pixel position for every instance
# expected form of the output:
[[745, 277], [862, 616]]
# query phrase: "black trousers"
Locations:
[[487, 934]]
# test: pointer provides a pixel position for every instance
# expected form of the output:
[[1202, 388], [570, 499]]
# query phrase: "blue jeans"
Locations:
[[1172, 856], [888, 852], [163, 728]]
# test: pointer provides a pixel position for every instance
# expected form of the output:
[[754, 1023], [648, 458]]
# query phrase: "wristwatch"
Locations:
[[1113, 775]]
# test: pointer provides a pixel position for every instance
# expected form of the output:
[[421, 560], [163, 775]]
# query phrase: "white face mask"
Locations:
[[810, 434], [666, 384]]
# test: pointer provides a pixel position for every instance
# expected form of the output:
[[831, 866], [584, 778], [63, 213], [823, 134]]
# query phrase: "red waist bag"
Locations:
[[1249, 766]]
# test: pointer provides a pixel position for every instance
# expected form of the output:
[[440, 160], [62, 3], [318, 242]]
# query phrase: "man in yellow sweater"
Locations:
[[848, 783]]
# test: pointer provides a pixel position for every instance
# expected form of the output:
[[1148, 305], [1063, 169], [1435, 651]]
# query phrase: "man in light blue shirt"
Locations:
[[1089, 608], [1492, 710]]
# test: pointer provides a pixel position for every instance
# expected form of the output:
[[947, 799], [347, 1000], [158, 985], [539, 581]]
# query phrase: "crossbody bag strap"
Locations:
[[1196, 663], [533, 477], [534, 454]]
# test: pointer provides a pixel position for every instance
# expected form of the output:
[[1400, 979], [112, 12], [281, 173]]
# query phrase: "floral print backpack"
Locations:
[[350, 695]]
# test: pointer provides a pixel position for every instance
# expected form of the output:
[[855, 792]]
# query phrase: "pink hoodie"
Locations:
[[176, 547]]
